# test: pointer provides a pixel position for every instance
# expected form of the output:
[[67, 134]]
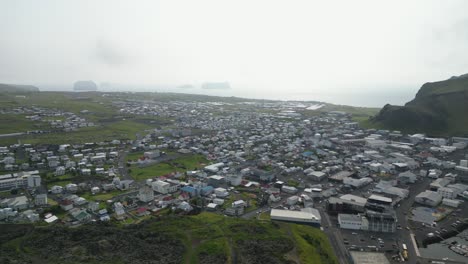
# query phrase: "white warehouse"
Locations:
[[308, 216], [355, 222]]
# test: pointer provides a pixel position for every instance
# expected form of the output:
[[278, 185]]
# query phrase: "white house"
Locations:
[[41, 199], [447, 192], [119, 209], [221, 192], [163, 187]]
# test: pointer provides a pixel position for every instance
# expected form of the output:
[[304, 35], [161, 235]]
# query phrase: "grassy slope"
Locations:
[[441, 105], [215, 234], [204, 238], [10, 123], [101, 111]]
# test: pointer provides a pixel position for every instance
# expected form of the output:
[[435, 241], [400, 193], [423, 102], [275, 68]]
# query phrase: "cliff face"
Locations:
[[85, 86], [439, 108]]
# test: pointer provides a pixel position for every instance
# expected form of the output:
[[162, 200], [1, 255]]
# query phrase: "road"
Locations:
[[123, 170], [403, 235], [334, 235]]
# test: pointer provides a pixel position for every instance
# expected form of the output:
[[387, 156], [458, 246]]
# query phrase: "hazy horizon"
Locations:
[[363, 53]]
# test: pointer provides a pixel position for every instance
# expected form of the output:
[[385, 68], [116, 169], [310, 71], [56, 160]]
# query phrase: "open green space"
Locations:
[[312, 245], [156, 170], [169, 238], [181, 164], [102, 196], [133, 156], [10, 123], [123, 129], [214, 236]]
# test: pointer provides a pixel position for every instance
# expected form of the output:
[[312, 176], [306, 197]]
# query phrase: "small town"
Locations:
[[234, 132], [375, 192]]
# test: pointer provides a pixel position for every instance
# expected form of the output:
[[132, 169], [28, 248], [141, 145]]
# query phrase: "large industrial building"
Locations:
[[339, 205], [308, 216], [381, 222]]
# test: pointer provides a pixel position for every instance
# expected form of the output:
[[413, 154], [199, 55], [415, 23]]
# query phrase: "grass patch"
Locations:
[[152, 171], [123, 129], [101, 196], [312, 245], [182, 164], [10, 123], [133, 156]]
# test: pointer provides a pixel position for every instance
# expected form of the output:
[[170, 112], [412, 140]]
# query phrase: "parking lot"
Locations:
[[357, 240]]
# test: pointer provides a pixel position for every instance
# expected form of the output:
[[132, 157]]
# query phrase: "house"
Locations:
[[59, 171], [446, 192], [119, 209], [80, 215], [41, 199], [146, 194], [142, 211], [216, 180], [218, 201], [71, 187], [407, 177], [184, 206], [289, 189], [66, 205], [93, 206], [428, 198], [192, 191], [221, 192], [15, 203], [292, 200], [234, 180], [357, 183], [317, 176], [238, 203], [439, 183], [214, 168], [207, 190], [163, 187], [95, 190], [152, 154], [211, 207], [56, 189], [451, 202]]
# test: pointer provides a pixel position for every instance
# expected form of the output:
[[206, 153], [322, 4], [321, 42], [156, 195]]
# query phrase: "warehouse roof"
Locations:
[[309, 214]]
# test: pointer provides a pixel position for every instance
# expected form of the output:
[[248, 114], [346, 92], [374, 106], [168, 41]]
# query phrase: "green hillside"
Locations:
[[439, 108], [204, 238]]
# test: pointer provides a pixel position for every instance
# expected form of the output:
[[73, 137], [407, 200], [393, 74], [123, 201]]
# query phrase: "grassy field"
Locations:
[[312, 245], [124, 129], [156, 170], [181, 164], [10, 123], [134, 156], [110, 123], [103, 196]]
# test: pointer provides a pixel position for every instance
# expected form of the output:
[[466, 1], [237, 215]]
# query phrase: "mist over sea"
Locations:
[[372, 98]]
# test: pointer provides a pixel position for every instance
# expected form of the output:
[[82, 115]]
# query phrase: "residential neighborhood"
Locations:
[[369, 190]]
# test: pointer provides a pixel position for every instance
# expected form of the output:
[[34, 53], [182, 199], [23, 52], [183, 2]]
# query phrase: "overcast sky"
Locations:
[[287, 49]]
